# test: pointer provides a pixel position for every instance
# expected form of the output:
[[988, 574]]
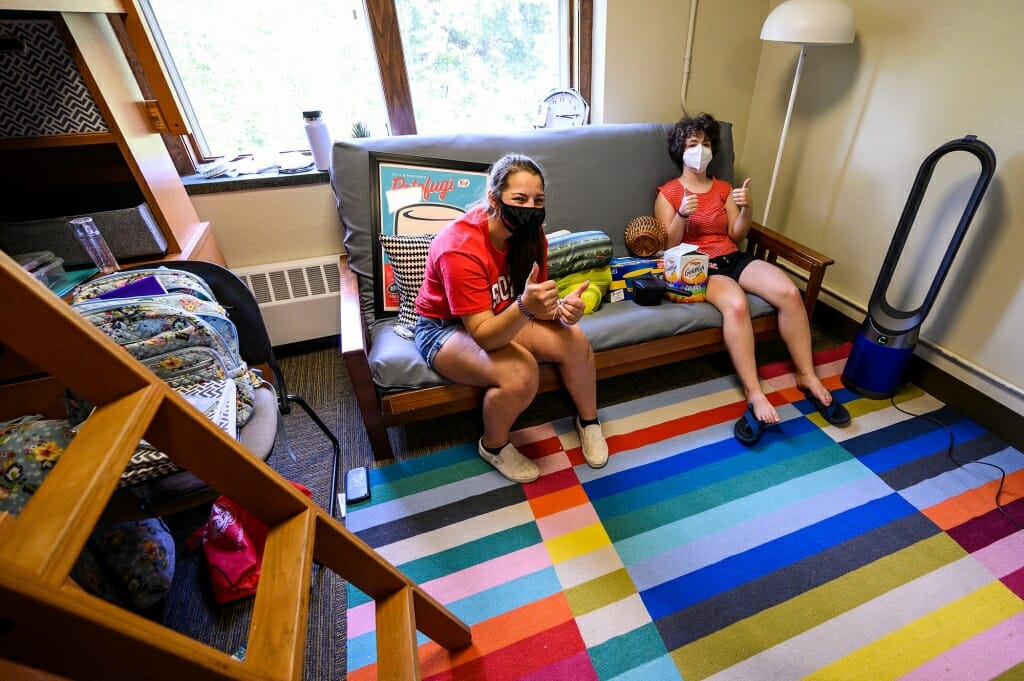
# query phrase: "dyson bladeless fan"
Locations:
[[877, 365]]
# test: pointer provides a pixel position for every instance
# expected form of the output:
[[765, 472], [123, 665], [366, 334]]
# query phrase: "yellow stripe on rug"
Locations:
[[923, 639]]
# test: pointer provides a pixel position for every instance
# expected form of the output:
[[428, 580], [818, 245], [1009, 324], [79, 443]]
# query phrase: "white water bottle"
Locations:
[[94, 244], [319, 139]]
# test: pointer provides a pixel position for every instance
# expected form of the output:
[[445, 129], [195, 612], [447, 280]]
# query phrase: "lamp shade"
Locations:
[[810, 22]]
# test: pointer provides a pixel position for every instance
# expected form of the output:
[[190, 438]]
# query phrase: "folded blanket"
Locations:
[[570, 252]]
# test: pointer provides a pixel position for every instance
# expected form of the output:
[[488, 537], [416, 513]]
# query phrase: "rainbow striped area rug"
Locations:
[[821, 553]]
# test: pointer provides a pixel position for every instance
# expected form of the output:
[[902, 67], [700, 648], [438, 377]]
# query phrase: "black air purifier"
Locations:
[[877, 365]]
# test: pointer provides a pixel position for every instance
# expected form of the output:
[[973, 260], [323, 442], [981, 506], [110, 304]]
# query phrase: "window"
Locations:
[[245, 72]]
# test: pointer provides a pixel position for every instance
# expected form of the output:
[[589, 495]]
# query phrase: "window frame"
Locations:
[[386, 37]]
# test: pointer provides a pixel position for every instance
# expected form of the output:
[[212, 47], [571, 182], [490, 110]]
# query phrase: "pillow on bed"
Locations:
[[408, 256]]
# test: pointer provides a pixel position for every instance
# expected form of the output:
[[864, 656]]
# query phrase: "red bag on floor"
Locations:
[[233, 542]]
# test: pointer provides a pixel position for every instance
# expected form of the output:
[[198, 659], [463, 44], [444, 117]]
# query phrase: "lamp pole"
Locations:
[[785, 129]]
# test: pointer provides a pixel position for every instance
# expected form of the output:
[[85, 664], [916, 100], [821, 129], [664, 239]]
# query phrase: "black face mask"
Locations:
[[517, 218]]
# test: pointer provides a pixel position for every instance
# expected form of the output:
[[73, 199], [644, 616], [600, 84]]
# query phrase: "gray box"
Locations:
[[130, 233]]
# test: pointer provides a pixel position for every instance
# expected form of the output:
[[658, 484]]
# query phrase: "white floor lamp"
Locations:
[[803, 23]]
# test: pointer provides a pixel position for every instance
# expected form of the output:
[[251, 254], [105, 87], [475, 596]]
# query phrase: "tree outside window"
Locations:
[[245, 72]]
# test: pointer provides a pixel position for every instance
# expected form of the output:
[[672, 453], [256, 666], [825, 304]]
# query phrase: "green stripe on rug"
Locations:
[[628, 652], [599, 592]]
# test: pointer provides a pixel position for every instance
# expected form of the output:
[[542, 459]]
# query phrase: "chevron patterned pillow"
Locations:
[[408, 256]]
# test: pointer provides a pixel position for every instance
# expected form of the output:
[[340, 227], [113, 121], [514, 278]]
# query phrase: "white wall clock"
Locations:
[[562, 108]]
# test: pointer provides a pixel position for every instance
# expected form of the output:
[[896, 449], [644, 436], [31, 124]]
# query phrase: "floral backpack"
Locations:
[[170, 321], [184, 335]]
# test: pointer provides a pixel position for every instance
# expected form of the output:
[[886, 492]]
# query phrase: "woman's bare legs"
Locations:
[[738, 332], [772, 284], [509, 376]]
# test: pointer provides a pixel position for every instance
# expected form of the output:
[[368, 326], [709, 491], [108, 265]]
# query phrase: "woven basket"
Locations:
[[645, 236]]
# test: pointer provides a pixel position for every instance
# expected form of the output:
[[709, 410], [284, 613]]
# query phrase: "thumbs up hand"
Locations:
[[540, 297], [572, 307], [688, 205], [741, 194]]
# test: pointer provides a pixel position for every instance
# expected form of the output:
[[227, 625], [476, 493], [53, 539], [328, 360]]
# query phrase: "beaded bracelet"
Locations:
[[522, 308]]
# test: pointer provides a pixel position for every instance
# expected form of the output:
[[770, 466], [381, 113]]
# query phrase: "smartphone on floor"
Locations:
[[357, 485]]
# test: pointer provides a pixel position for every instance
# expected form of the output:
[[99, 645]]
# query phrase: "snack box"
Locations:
[[686, 272], [624, 270]]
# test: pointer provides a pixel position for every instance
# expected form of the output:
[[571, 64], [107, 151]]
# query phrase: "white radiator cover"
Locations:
[[298, 298]]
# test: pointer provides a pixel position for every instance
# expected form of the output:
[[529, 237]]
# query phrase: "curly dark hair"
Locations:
[[701, 124]]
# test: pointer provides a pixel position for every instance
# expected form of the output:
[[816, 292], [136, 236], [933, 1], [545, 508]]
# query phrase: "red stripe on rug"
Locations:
[[543, 447], [1015, 582], [539, 618], [988, 528], [683, 424], [546, 655], [503, 631], [822, 357], [551, 483]]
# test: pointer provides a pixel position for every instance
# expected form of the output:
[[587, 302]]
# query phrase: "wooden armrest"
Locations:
[[769, 245], [354, 347], [353, 324]]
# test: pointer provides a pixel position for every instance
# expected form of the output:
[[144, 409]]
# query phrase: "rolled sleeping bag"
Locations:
[[570, 252]]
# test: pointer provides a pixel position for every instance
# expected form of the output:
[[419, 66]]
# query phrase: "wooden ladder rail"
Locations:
[[48, 623]]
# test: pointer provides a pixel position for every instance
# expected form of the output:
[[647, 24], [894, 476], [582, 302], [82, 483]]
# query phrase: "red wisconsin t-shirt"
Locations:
[[708, 226], [465, 273]]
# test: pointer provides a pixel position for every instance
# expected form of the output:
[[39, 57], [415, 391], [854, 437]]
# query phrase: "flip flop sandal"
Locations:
[[749, 429], [836, 413]]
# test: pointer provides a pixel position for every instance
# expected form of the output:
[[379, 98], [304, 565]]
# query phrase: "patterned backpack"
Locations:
[[184, 336]]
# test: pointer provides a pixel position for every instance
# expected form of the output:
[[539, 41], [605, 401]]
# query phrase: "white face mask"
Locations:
[[697, 158]]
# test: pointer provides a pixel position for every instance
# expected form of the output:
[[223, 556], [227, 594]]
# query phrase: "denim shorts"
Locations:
[[431, 334]]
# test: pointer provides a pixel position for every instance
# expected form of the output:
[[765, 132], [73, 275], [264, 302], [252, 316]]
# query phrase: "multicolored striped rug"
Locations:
[[821, 553]]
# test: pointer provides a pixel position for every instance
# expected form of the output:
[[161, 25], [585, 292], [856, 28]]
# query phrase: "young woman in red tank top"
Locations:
[[709, 213]]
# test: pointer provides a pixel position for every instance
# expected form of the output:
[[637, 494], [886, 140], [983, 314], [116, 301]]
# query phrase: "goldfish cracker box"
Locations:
[[624, 270], [686, 272]]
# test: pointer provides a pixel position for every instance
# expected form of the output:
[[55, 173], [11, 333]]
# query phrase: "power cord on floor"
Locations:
[[949, 452]]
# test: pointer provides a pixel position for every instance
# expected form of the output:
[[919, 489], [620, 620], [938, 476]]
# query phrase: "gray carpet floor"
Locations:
[[320, 377]]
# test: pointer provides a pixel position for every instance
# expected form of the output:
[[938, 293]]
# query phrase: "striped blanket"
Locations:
[[822, 553]]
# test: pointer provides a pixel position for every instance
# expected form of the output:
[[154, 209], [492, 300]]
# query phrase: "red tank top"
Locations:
[[708, 226]]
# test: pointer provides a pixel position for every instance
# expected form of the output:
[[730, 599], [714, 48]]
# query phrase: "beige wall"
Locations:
[[272, 225], [920, 73]]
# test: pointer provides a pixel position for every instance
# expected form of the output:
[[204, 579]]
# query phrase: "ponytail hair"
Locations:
[[522, 249]]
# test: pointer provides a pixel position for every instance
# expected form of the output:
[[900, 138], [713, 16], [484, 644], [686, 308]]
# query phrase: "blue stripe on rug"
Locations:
[[925, 444], [786, 518], [749, 598], [936, 464], [745, 509], [718, 488], [479, 607], [735, 570], [961, 479], [609, 493], [896, 433]]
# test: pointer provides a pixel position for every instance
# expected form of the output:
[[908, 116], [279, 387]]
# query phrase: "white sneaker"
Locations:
[[510, 462], [595, 449]]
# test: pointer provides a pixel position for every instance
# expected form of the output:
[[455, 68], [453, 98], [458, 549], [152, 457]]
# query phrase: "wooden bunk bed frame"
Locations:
[[47, 623]]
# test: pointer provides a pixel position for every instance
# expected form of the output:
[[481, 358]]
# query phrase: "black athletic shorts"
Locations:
[[731, 265]]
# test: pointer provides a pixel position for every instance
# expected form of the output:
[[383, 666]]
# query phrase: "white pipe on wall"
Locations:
[[688, 54]]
